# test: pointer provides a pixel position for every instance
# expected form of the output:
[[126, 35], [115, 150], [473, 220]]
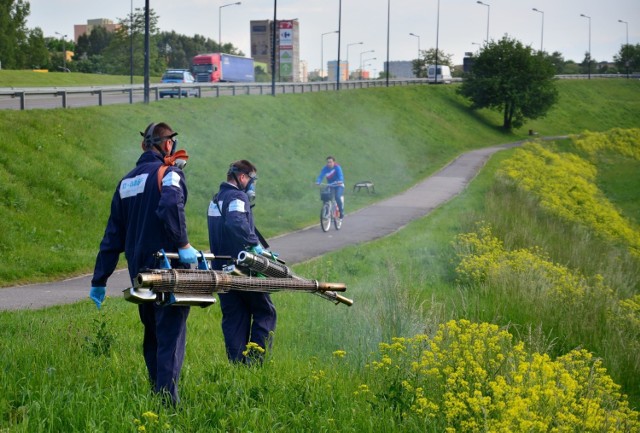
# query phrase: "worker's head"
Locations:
[[159, 136], [244, 175], [331, 161]]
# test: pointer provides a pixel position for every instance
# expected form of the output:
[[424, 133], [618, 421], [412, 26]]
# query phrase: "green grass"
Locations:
[[59, 167], [68, 368], [402, 285], [13, 78]]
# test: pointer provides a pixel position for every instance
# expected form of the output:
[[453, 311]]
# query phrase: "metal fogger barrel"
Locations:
[[196, 282], [273, 269], [197, 286]]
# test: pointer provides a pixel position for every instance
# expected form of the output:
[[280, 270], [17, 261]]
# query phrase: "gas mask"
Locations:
[[250, 187], [178, 158], [251, 190]]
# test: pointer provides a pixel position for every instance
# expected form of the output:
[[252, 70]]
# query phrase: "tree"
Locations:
[[261, 74], [117, 56], [571, 68], [13, 33], [557, 60], [588, 64], [508, 76], [428, 57], [37, 54], [93, 43], [628, 58], [178, 50]]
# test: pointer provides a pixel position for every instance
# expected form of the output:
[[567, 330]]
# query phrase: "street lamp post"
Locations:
[[417, 36], [322, 52], [273, 48], [626, 48], [147, 41], [388, 39], [348, 66], [131, 45], [542, 32], [364, 62], [364, 52], [131, 53], [220, 21], [64, 51], [339, 43], [437, 35], [589, 65], [488, 13]]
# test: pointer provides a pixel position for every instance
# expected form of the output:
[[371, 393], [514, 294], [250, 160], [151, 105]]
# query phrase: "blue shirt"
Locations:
[[332, 174], [143, 219]]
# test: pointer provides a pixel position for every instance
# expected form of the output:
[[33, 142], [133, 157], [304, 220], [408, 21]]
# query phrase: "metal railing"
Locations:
[[55, 97]]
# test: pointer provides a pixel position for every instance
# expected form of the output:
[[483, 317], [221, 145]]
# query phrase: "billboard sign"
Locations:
[[286, 50]]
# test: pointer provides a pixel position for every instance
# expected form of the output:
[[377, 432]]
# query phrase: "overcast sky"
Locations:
[[463, 24]]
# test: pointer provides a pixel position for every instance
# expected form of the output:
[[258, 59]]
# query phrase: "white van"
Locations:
[[444, 74]]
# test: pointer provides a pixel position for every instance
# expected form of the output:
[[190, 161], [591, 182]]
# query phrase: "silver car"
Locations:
[[178, 76]]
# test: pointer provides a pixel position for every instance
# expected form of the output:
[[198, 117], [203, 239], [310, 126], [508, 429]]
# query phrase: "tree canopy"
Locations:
[[110, 53], [428, 57], [510, 77], [13, 33], [628, 58], [100, 51]]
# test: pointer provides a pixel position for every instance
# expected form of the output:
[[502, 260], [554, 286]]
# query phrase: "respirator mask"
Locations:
[[251, 190], [178, 158], [250, 187]]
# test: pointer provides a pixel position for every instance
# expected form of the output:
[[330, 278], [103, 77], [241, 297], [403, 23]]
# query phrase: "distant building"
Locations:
[[287, 47], [314, 75], [360, 74], [81, 29], [304, 71], [400, 69], [332, 67]]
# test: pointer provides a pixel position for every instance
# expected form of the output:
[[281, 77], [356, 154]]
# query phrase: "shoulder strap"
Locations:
[[263, 241], [161, 171]]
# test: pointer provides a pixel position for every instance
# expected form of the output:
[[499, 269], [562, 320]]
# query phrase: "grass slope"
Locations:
[[13, 78], [402, 284], [59, 167]]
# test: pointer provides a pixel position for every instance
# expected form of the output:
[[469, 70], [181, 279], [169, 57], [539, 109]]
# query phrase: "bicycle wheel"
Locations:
[[325, 216], [337, 222]]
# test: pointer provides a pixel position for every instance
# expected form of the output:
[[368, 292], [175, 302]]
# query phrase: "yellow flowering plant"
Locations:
[[151, 422], [617, 140], [564, 183], [475, 377]]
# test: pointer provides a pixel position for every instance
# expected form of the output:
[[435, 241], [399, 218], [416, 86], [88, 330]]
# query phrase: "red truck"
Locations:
[[221, 67]]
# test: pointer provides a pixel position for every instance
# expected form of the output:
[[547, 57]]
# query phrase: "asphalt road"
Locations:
[[372, 222]]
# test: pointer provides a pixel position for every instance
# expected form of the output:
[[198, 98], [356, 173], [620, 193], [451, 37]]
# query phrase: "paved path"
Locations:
[[372, 222]]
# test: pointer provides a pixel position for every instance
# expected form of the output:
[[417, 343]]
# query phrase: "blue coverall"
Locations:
[[334, 175], [246, 316], [144, 220]]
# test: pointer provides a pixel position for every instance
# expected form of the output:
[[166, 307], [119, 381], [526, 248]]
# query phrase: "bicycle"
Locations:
[[329, 212]]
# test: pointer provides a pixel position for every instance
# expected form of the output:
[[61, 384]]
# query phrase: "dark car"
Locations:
[[178, 76]]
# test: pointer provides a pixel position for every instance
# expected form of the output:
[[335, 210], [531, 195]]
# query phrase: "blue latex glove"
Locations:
[[257, 250], [188, 255], [97, 295]]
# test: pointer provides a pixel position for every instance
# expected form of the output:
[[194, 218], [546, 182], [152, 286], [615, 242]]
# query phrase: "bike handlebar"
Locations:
[[330, 185]]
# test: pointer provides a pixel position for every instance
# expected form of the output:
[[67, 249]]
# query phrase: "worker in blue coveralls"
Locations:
[[247, 317], [333, 172], [147, 215]]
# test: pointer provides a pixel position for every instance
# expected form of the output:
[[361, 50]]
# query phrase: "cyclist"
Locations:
[[333, 172]]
